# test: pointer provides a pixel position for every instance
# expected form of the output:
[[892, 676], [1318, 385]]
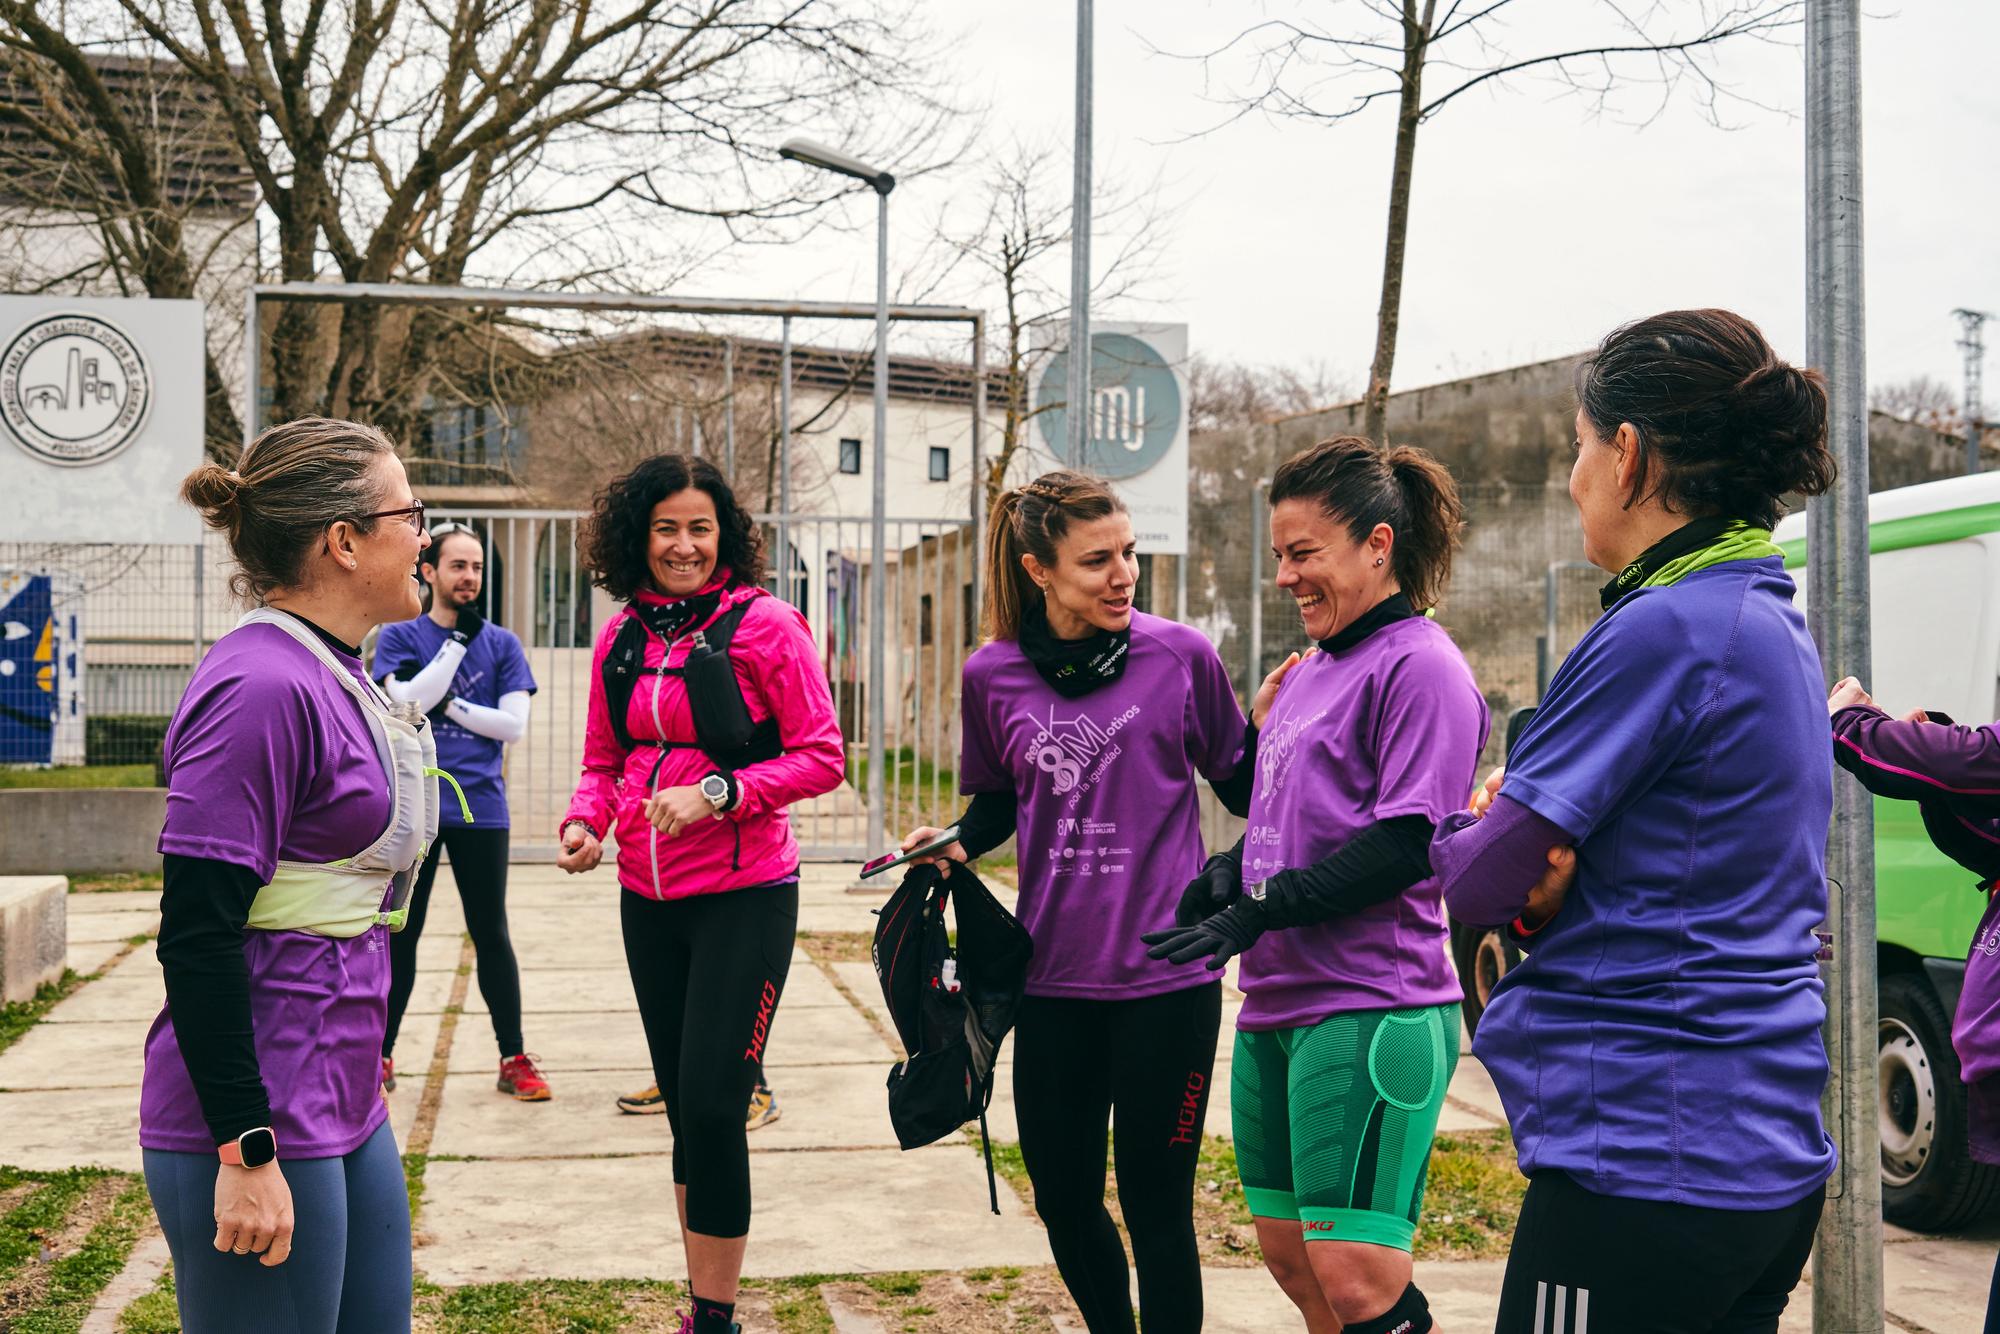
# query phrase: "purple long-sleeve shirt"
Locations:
[[1487, 866]]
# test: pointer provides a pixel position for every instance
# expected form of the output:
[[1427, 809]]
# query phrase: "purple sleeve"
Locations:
[[1429, 731], [979, 769], [1915, 760], [392, 647], [513, 670], [1486, 867], [237, 756], [1215, 722]]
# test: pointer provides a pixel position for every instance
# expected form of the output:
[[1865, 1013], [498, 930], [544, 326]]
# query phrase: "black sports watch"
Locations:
[[717, 790], [252, 1148]]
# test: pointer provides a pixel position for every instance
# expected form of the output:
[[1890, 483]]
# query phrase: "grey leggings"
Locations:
[[349, 1272]]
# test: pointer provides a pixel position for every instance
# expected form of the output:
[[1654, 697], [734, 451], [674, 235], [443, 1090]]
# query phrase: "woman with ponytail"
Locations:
[[1350, 1022], [1660, 832], [1085, 724]]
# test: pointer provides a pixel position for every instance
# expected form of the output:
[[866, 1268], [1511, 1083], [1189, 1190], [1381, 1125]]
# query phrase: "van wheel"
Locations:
[[1929, 1180], [1482, 956]]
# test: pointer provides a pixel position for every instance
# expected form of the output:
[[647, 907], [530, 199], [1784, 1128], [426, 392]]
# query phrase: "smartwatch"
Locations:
[[716, 789], [252, 1148]]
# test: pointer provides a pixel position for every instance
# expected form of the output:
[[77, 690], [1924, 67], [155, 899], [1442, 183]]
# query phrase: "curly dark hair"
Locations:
[[615, 536]]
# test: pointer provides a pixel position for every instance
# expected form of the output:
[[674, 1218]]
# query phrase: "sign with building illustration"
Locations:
[[101, 404], [1138, 424]]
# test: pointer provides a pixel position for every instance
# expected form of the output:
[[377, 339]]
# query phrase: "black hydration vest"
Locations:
[[722, 725]]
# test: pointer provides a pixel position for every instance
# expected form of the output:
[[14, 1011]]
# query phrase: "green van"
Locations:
[[1934, 574]]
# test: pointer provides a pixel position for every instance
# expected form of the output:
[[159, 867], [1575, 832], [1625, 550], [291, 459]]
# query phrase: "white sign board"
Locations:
[[101, 404], [1138, 425]]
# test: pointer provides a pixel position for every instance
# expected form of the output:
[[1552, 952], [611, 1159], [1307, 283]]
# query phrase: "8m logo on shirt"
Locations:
[[1063, 748]]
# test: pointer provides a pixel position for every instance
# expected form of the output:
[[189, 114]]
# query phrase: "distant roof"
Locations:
[[812, 367], [196, 154]]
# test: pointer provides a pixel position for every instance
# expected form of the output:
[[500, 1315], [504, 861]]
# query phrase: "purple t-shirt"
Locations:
[[1109, 826], [1661, 1040], [268, 758], [494, 665], [1390, 726]]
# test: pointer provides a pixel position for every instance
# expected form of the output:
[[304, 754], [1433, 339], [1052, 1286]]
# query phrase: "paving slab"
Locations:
[[1940, 1283], [120, 924], [586, 990], [416, 1043], [120, 996], [87, 956], [120, 900], [79, 1127], [865, 1211], [615, 1040], [403, 1106], [431, 991], [74, 1056]]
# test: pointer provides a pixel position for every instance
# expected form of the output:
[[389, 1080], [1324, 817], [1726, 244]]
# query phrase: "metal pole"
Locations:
[[1180, 586], [1076, 408], [785, 460], [1847, 1259], [1256, 593], [978, 488], [878, 754], [252, 366], [729, 409], [200, 603]]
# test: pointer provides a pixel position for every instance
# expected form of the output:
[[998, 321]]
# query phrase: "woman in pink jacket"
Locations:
[[709, 716]]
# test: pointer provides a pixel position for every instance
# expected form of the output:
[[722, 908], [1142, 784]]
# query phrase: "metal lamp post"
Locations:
[[833, 160]]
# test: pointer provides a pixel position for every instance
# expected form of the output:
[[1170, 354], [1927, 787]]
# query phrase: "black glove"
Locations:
[[437, 714], [470, 623], [1221, 937], [1219, 885], [407, 669]]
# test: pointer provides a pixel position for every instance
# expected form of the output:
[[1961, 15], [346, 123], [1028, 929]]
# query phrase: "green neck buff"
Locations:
[[1693, 546]]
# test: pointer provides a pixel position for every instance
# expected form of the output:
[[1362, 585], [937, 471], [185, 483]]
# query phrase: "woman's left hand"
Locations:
[[674, 809], [1846, 693]]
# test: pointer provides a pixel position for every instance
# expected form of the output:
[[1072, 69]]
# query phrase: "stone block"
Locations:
[[34, 933]]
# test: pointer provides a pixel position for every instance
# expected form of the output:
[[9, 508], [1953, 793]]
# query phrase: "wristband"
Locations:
[[588, 828]]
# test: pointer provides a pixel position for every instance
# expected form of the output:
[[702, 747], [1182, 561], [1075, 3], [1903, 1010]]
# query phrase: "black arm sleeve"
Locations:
[[1374, 866], [987, 823], [202, 911], [1234, 791]]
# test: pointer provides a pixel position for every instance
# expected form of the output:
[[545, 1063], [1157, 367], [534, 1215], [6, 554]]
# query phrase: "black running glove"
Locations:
[[437, 714], [470, 623], [1220, 938], [1219, 884]]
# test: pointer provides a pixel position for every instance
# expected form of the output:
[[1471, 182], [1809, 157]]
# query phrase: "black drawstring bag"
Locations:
[[952, 1005]]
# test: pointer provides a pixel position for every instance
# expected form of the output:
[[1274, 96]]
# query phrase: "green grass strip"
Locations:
[[154, 1313], [77, 1278], [80, 775], [40, 1216], [18, 1017]]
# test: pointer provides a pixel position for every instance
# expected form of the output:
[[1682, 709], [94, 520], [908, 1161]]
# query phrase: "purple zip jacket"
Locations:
[[1953, 774]]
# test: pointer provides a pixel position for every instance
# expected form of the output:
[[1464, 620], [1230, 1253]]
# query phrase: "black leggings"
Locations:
[[1583, 1261], [708, 972], [479, 865], [1144, 1066]]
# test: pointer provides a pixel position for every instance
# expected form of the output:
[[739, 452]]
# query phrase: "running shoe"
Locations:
[[687, 1321], [646, 1102], [763, 1108], [388, 1075], [519, 1077]]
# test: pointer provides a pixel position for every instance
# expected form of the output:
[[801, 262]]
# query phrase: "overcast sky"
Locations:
[[1536, 226]]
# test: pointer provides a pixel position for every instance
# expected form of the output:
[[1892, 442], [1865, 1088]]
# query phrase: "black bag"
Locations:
[[952, 1007]]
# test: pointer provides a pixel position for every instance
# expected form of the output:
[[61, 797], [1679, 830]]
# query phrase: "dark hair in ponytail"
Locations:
[[1725, 426], [1032, 519], [1360, 485]]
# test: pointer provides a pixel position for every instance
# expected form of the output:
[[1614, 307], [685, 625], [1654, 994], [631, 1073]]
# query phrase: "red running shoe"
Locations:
[[519, 1077], [388, 1075]]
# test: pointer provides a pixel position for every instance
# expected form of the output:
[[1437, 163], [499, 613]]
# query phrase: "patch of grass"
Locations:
[[154, 1313], [896, 1285], [92, 882], [413, 1182], [20, 1016], [549, 1306], [39, 1217], [77, 1278], [80, 775], [1223, 1227], [795, 1302], [1474, 1198]]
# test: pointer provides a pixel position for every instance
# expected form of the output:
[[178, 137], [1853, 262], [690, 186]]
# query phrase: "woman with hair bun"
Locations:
[[299, 802], [1660, 832], [1350, 1022]]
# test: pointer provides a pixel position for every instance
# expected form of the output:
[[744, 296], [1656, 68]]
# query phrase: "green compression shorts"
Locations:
[[1334, 1122]]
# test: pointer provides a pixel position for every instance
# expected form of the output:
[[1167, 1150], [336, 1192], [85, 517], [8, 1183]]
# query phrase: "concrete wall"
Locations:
[[68, 830]]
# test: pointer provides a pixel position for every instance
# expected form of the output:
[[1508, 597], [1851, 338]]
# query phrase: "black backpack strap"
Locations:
[[986, 1142], [623, 666]]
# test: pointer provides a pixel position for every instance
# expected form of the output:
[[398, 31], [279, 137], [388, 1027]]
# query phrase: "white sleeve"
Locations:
[[431, 684], [509, 722]]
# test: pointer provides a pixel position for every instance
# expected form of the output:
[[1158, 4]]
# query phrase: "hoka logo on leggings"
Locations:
[[760, 1030], [1190, 1113]]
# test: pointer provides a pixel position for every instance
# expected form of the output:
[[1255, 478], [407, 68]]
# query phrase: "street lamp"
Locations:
[[833, 160]]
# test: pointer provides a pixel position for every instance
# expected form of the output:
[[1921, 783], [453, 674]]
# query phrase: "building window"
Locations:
[[968, 613], [926, 629], [850, 456], [940, 464]]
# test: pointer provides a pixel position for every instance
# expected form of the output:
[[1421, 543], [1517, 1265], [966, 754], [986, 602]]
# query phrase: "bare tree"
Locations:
[[1018, 250], [1334, 71], [1923, 399], [1222, 394], [548, 145]]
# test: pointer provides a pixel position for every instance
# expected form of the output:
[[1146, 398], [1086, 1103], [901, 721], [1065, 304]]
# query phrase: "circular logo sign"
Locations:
[[1135, 406], [74, 389]]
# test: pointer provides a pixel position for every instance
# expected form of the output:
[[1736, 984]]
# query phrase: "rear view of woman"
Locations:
[[1661, 830]]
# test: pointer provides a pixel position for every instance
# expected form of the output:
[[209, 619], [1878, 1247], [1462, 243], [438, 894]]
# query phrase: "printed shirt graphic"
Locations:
[[1392, 726], [1109, 822], [1661, 1039], [494, 665]]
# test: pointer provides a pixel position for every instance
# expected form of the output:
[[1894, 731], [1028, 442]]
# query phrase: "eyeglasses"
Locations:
[[415, 514]]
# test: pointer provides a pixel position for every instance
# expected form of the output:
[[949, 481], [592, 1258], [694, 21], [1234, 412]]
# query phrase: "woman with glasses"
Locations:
[[299, 801], [472, 680]]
